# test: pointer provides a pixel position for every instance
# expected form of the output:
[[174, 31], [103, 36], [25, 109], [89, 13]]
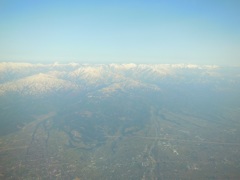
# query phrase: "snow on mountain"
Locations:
[[128, 85], [36, 85], [4, 67], [123, 66], [33, 79], [96, 75], [88, 73]]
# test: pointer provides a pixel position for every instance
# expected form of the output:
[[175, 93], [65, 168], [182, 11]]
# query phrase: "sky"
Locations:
[[120, 31]]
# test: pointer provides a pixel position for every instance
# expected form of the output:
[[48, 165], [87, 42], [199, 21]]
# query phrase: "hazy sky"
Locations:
[[121, 31]]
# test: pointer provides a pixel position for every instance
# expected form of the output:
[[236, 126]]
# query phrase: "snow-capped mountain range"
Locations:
[[38, 79]]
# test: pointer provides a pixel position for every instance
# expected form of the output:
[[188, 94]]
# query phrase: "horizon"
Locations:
[[120, 63]]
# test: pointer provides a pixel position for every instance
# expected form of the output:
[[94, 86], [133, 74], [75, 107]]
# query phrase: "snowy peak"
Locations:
[[36, 85], [34, 79]]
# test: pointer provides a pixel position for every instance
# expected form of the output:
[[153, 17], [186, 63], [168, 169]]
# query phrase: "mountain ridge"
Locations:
[[36, 79]]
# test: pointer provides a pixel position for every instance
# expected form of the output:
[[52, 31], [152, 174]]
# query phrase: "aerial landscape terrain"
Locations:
[[119, 121], [120, 90]]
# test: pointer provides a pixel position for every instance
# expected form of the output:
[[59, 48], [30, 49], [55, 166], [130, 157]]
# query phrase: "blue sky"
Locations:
[[137, 31]]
